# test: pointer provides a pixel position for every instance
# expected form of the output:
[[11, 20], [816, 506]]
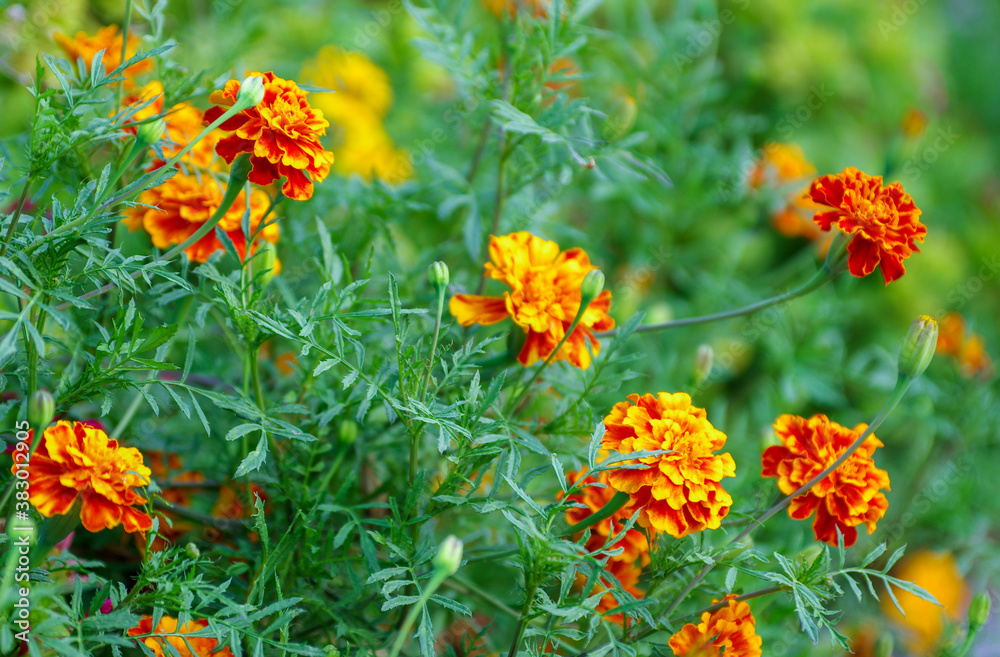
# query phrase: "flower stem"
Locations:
[[522, 622], [415, 608], [434, 343], [821, 277], [902, 384], [17, 214]]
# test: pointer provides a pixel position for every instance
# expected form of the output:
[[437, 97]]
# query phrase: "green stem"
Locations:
[[258, 396], [522, 622], [820, 278], [17, 214], [902, 384], [970, 638], [126, 29], [434, 343], [415, 608]]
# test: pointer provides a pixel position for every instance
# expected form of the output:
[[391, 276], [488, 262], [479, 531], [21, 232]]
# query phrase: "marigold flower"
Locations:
[[914, 123], [625, 567], [361, 86], [849, 496], [151, 93], [968, 349], [544, 298], [883, 220], [281, 134], [109, 39], [680, 493], [924, 622], [185, 646], [175, 210], [367, 150], [730, 630], [76, 461], [537, 8], [184, 123], [780, 164]]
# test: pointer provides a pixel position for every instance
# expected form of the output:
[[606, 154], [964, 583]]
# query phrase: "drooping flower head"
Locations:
[[109, 39], [625, 567], [883, 222], [176, 209], [849, 496], [281, 134], [543, 300], [924, 622], [175, 637], [730, 630], [77, 461], [680, 493]]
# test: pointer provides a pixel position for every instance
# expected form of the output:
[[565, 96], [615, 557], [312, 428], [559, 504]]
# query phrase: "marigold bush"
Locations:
[[343, 328]]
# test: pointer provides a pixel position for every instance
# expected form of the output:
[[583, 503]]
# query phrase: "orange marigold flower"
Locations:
[[883, 220], [77, 461], [924, 622], [914, 123], [625, 567], [537, 8], [185, 646], [779, 164], [730, 630], [951, 334], [281, 134], [544, 298], [954, 339], [109, 39], [175, 210], [184, 123], [847, 497], [680, 493]]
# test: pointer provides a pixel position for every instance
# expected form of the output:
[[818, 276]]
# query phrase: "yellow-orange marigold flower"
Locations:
[[178, 207], [680, 493], [184, 123], [544, 298], [185, 646], [883, 220], [361, 86], [730, 630], [924, 622], [77, 461], [954, 339], [151, 93], [914, 123], [109, 39], [849, 496], [537, 8], [367, 150], [779, 164], [625, 567], [281, 134]]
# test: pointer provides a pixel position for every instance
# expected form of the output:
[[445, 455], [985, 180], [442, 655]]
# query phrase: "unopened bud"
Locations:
[[918, 347], [150, 133], [979, 610], [264, 263], [438, 275], [192, 550], [449, 556], [41, 409], [347, 432], [884, 645], [251, 92], [592, 285], [703, 364]]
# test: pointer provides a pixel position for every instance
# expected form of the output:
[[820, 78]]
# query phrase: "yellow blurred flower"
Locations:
[[924, 622], [109, 39]]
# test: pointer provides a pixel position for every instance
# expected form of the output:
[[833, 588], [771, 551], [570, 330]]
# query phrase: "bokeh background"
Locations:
[[902, 87]]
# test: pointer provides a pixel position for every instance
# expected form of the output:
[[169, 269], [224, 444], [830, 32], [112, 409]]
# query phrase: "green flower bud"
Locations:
[[150, 133], [192, 550], [592, 285], [621, 119], [449, 556], [836, 254], [251, 92], [262, 264], [347, 432], [41, 409], [438, 275], [703, 364], [979, 610], [918, 347], [884, 645]]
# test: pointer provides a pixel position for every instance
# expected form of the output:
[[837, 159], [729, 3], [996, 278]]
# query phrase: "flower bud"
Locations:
[[150, 133], [449, 556], [592, 285], [836, 254], [41, 409], [347, 432], [703, 364], [251, 92], [192, 550], [979, 610], [438, 275], [263, 263], [621, 119], [918, 347], [884, 645]]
